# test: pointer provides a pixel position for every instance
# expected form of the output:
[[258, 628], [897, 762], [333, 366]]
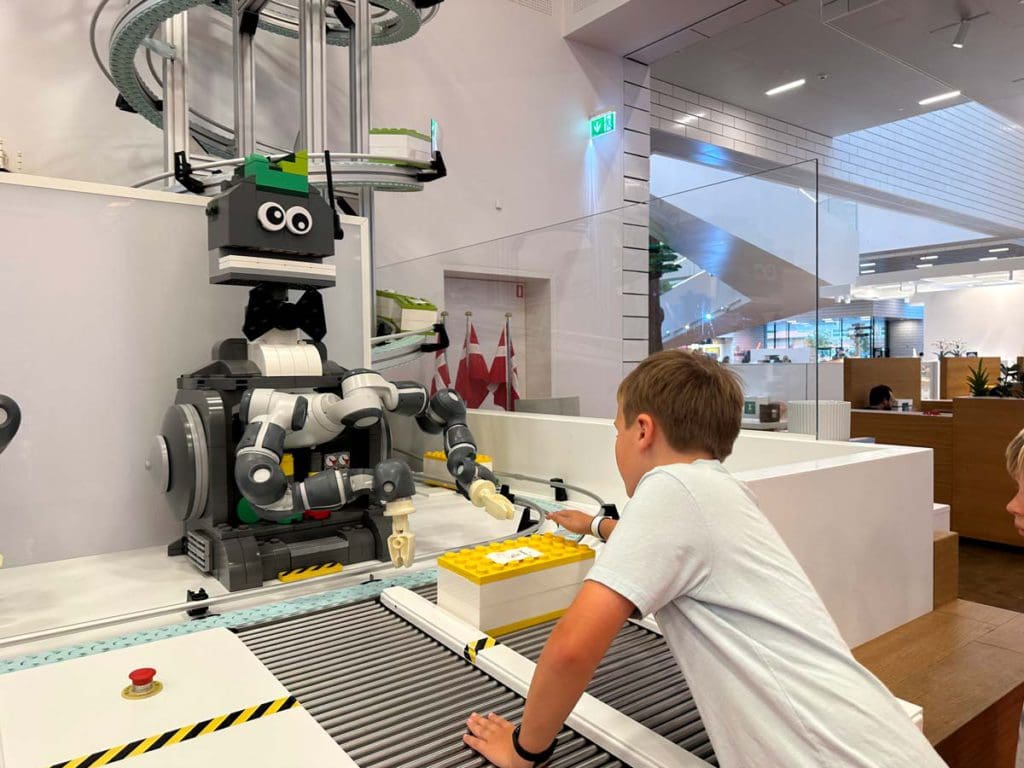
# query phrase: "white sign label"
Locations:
[[514, 555]]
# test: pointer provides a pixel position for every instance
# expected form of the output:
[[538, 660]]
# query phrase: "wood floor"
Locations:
[[992, 574]]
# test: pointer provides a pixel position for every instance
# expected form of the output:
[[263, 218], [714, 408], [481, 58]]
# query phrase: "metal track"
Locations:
[[639, 677], [388, 694]]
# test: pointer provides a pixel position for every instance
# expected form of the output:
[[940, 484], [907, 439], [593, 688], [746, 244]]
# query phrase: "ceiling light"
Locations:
[[867, 271], [929, 258], [924, 266], [998, 250], [989, 258], [961, 34], [785, 87], [940, 97], [867, 264]]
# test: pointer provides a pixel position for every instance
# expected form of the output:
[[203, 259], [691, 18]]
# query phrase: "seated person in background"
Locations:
[[880, 398]]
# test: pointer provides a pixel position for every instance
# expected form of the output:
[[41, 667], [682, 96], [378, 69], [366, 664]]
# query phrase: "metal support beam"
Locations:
[[176, 126], [245, 75], [313, 75], [359, 50]]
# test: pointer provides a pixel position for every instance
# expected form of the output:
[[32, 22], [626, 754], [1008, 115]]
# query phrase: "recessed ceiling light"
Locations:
[[785, 87], [867, 264], [998, 250], [925, 266], [961, 34], [989, 258], [867, 271], [929, 258], [940, 97]]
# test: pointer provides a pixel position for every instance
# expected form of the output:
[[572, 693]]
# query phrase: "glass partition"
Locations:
[[721, 267]]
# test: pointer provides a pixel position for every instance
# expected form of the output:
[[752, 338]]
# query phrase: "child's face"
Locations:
[[627, 456], [1016, 506]]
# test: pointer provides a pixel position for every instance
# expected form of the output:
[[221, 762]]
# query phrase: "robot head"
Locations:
[[270, 226]]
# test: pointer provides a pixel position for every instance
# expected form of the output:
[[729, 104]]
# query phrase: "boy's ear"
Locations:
[[645, 429]]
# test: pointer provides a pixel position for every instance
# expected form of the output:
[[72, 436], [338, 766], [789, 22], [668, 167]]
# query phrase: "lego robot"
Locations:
[[275, 458]]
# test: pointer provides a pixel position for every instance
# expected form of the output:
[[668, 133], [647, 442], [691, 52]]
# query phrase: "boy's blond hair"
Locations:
[[1015, 456], [696, 401]]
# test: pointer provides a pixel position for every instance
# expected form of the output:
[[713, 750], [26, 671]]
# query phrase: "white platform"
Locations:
[[47, 595], [63, 711]]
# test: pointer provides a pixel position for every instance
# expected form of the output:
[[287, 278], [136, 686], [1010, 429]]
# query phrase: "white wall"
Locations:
[[883, 230], [982, 317]]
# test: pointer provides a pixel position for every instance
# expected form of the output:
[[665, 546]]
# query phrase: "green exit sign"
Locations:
[[602, 124]]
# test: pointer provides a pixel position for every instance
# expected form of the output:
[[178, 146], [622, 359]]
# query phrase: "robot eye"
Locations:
[[299, 220], [271, 216]]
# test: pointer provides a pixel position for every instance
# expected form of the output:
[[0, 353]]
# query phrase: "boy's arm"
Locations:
[[580, 522], [576, 646]]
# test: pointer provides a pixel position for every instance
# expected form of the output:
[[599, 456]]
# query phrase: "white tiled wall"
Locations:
[[636, 142], [965, 158]]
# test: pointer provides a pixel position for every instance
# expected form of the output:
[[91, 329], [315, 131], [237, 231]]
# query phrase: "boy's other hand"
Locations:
[[491, 736], [572, 520]]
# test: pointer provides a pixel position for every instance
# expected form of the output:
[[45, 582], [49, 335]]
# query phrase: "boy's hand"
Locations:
[[491, 736], [572, 520]]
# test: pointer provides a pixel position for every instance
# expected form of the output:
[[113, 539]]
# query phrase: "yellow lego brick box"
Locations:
[[513, 584]]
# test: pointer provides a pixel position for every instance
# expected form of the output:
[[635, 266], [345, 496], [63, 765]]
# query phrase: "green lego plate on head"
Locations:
[[399, 132], [290, 174]]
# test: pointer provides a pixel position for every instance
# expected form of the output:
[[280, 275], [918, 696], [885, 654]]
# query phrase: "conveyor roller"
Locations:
[[638, 676], [389, 694]]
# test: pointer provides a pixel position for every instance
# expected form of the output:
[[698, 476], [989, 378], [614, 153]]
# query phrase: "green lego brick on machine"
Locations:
[[290, 175], [399, 132]]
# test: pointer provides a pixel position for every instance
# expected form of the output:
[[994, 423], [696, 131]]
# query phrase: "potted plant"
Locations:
[[978, 380]]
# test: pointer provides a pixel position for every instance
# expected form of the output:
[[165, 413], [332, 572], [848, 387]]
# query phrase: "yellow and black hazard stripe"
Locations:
[[311, 572], [475, 646], [186, 732]]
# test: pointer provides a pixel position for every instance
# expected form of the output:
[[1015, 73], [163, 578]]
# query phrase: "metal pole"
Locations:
[[176, 127], [509, 400], [360, 48], [245, 76], [312, 76]]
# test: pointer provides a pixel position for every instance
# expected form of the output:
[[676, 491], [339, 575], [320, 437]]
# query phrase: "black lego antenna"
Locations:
[[339, 233]]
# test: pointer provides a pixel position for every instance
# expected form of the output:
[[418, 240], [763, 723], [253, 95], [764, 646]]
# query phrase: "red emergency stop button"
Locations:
[[142, 678]]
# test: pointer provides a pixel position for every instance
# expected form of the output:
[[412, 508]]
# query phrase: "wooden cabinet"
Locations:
[[895, 428], [982, 428], [954, 371], [901, 374]]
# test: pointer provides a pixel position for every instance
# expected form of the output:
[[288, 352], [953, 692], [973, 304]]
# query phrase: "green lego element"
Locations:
[[290, 174], [246, 513], [398, 312], [291, 520], [399, 132]]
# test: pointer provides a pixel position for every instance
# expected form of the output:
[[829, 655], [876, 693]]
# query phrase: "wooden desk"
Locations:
[[942, 406], [899, 428], [982, 428], [901, 374], [964, 664]]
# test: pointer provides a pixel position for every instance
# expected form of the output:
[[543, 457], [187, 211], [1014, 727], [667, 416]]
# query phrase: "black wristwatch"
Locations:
[[537, 758]]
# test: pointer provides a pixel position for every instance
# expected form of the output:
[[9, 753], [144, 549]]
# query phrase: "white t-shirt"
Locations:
[[775, 684]]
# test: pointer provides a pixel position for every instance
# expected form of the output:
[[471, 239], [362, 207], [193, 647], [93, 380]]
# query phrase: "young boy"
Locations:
[[773, 680]]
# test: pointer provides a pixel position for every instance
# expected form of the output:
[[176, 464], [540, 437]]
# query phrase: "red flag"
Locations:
[[442, 379], [497, 375], [471, 379]]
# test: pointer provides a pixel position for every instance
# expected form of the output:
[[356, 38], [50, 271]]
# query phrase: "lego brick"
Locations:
[[512, 558], [244, 270], [251, 560], [453, 586]]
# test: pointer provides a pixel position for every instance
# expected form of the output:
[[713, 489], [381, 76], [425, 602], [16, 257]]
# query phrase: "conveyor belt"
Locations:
[[388, 694], [638, 676]]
